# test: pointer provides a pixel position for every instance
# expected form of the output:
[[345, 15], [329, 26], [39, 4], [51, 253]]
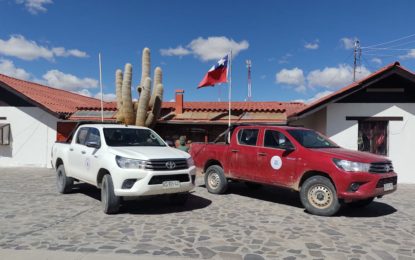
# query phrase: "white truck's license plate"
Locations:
[[171, 184], [387, 186]]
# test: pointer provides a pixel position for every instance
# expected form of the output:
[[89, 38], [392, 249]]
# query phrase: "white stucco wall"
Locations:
[[316, 121], [33, 133], [401, 134]]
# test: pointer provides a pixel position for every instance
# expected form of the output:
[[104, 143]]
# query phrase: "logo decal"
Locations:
[[276, 162], [170, 165]]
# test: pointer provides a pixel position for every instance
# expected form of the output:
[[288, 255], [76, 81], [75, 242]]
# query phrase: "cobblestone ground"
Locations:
[[268, 223]]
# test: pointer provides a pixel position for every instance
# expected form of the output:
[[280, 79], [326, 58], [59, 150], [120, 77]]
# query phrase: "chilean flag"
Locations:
[[217, 74]]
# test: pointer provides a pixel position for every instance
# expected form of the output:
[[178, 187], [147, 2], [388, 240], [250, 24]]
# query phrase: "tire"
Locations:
[[179, 198], [360, 203], [253, 185], [109, 201], [319, 197], [63, 183], [215, 180]]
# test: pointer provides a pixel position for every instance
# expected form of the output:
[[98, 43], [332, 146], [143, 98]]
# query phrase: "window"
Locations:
[[4, 134], [275, 139], [373, 137], [80, 138], [93, 136], [311, 139], [248, 136], [131, 137]]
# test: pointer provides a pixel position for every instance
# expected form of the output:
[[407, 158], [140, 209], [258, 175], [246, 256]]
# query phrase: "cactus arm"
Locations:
[[158, 77], [127, 103], [145, 66], [143, 103], [118, 91]]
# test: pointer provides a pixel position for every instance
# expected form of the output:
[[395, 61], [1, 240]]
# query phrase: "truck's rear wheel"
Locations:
[[319, 196], [63, 183], [109, 201], [215, 180]]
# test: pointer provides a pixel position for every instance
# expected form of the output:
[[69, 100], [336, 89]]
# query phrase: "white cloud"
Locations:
[[263, 76], [8, 68], [18, 46], [409, 55], [211, 48], [178, 51], [83, 92], [348, 43], [315, 97], [292, 77], [35, 6], [376, 61], [106, 96], [312, 45], [58, 79], [332, 77]]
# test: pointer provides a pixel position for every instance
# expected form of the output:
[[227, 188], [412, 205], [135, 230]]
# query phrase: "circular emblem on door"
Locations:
[[276, 162], [170, 165]]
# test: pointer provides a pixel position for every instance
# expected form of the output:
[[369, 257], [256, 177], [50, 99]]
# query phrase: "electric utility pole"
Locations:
[[248, 66]]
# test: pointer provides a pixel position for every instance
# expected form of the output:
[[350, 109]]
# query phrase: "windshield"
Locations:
[[311, 139], [131, 137]]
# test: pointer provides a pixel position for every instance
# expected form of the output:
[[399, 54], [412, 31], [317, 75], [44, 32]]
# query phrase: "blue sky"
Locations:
[[300, 50]]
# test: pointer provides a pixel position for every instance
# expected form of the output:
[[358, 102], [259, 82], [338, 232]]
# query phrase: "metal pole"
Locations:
[[230, 87], [100, 85]]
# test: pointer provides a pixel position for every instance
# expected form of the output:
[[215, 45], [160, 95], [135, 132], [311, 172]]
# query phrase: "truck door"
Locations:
[[75, 157], [91, 155], [244, 154], [278, 159]]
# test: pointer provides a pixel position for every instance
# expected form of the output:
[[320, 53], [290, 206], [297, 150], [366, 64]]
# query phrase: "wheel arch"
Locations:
[[310, 174], [211, 162], [58, 162], [101, 173]]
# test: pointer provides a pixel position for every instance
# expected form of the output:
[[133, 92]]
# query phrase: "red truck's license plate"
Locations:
[[388, 186]]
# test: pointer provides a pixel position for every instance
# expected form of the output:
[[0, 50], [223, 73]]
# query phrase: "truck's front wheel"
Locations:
[[63, 183], [319, 196], [215, 180], [109, 201]]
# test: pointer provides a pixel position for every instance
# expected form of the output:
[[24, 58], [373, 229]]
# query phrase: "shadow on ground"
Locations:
[[373, 210], [147, 205]]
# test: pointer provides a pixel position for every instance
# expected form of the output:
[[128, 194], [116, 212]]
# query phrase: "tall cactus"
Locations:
[[147, 109]]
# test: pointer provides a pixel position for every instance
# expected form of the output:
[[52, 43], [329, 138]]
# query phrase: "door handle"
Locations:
[[262, 154], [234, 151], [71, 149], [83, 152]]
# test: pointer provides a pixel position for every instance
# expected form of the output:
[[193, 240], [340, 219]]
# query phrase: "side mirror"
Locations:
[[93, 144]]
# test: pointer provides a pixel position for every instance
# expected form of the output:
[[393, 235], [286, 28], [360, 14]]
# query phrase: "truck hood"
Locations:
[[149, 152], [351, 155]]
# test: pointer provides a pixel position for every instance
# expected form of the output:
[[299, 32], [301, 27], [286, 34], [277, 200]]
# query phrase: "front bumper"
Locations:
[[143, 187], [370, 185]]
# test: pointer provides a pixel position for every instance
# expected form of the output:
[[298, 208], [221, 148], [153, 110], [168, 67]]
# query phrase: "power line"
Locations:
[[380, 44]]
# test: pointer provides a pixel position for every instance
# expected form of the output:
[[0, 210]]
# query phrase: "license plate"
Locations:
[[171, 184], [387, 186]]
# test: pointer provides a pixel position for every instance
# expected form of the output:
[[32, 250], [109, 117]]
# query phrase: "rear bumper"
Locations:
[[370, 185], [143, 187]]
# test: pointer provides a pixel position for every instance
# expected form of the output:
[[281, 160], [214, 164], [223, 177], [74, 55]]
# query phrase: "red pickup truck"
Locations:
[[297, 158]]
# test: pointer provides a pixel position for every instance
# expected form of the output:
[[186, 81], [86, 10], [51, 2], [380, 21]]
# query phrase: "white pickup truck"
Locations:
[[123, 161]]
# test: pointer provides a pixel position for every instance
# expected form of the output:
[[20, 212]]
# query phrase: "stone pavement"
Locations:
[[269, 223]]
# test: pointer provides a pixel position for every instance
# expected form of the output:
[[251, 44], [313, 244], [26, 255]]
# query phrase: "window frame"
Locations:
[[279, 132], [79, 132], [5, 141], [244, 129], [387, 135], [90, 129]]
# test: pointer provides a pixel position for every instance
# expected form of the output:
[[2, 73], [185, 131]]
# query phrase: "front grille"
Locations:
[[166, 164], [381, 167], [383, 181], [159, 179]]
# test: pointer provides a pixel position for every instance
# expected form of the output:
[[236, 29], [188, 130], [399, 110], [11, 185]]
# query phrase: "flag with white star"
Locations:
[[217, 74]]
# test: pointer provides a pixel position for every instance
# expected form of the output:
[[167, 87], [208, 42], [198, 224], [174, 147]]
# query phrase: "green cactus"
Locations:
[[127, 102], [147, 109], [118, 85]]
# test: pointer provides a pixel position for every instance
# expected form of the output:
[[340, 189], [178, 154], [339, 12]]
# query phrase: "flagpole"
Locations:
[[230, 87], [100, 85]]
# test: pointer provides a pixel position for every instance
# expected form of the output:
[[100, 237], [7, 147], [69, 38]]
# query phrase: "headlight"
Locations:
[[128, 163], [350, 166], [190, 162]]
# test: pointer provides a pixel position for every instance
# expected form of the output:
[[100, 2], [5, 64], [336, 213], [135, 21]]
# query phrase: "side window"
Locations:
[[373, 137], [248, 136], [275, 139], [93, 136], [81, 137]]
